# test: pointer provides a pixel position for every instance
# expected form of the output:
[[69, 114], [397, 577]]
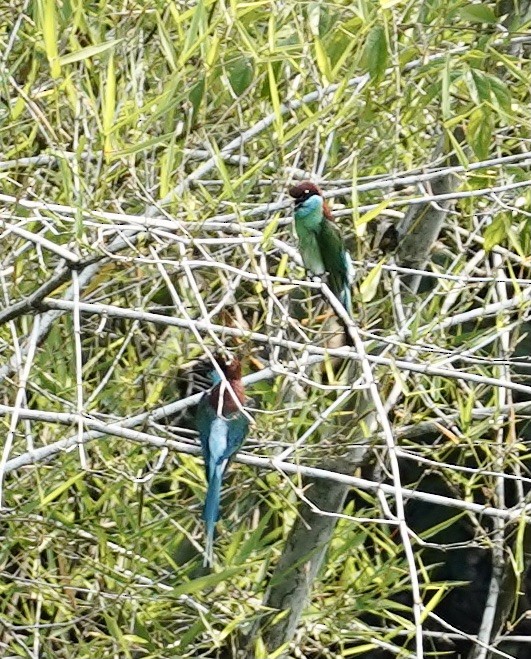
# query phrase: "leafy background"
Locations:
[[146, 153]]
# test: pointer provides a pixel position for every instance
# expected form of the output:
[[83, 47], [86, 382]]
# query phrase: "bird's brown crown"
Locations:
[[230, 365], [232, 370], [304, 189]]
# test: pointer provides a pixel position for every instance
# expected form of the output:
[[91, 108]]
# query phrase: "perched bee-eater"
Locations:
[[222, 428], [320, 242]]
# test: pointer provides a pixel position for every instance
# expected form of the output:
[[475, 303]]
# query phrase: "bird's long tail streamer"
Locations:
[[211, 512]]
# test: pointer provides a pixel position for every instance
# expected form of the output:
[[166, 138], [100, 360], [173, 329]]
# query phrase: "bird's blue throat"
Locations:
[[309, 206]]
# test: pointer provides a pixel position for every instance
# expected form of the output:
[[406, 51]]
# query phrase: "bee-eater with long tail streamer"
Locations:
[[222, 427], [320, 242]]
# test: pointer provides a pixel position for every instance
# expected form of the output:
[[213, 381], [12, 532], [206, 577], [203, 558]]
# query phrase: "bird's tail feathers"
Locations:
[[211, 511], [351, 270], [209, 545], [346, 293], [346, 300]]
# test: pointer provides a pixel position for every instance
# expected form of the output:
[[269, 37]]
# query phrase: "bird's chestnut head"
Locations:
[[303, 191], [230, 365]]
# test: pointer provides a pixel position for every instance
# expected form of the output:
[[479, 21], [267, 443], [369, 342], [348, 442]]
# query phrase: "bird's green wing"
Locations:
[[309, 247], [335, 257]]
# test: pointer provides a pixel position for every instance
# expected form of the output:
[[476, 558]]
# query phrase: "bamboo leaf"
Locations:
[[88, 52], [495, 233], [477, 13], [481, 85], [275, 98], [358, 649], [270, 230], [500, 92], [48, 19], [62, 488], [372, 214], [435, 600], [322, 60], [445, 89], [192, 42], [109, 105], [240, 73], [479, 131], [197, 93], [208, 581], [369, 286], [375, 53]]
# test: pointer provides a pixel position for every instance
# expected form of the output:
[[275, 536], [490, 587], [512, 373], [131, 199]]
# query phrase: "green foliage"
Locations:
[[375, 53]]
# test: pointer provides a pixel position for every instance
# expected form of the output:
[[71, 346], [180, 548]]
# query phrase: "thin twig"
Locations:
[[17, 410]]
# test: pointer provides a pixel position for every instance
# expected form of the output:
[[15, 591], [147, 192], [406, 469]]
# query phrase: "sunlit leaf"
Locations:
[[373, 213], [208, 581], [321, 57], [88, 52], [369, 286], [501, 92], [62, 488], [48, 22], [479, 131], [481, 84], [240, 74], [375, 53], [477, 13], [109, 105]]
